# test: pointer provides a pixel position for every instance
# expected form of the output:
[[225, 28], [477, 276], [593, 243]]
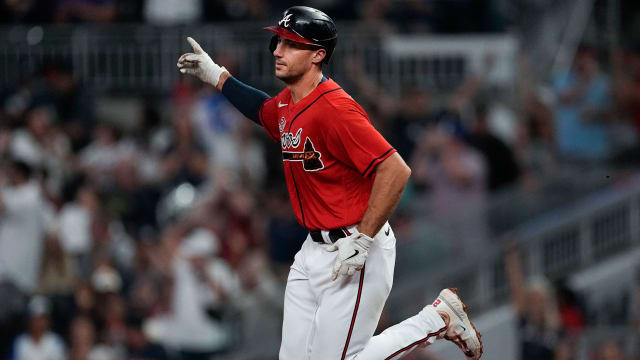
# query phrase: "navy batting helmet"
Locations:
[[306, 25]]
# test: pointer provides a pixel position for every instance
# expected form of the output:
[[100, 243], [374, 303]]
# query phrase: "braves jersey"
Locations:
[[330, 150]]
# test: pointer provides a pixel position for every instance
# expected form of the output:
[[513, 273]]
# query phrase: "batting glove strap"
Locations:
[[352, 254], [199, 64]]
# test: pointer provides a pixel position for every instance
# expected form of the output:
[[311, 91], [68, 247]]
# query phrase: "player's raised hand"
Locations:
[[352, 253], [198, 63]]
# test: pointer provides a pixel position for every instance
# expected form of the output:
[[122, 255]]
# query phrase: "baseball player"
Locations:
[[344, 181]]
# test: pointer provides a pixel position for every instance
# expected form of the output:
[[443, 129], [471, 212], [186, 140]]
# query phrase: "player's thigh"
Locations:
[[350, 308], [299, 310]]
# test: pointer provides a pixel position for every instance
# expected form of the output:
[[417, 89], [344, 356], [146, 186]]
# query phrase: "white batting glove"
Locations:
[[352, 253], [198, 63]]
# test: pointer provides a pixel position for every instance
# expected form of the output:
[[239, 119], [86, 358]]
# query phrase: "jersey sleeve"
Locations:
[[268, 116], [352, 139]]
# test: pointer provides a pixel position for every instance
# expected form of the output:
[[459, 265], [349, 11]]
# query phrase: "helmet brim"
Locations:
[[289, 35]]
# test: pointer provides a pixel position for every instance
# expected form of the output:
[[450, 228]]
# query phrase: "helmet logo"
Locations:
[[285, 20]]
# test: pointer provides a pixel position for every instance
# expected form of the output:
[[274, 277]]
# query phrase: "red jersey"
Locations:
[[330, 150]]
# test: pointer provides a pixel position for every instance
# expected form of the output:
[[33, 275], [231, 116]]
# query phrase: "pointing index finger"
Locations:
[[194, 44]]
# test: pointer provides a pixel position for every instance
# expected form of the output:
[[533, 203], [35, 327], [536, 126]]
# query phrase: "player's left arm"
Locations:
[[391, 177]]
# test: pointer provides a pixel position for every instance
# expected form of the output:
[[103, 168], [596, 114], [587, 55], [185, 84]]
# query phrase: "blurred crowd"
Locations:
[[152, 235], [167, 234], [405, 15], [158, 233], [472, 145], [552, 320]]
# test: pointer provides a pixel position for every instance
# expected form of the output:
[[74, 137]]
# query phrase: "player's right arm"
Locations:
[[256, 105]]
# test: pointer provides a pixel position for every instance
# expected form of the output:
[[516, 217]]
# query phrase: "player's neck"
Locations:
[[305, 85]]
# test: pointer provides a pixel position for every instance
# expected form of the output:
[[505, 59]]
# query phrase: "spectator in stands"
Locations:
[[114, 316], [564, 351], [130, 200], [25, 216], [534, 147], [58, 273], [260, 304], [609, 350], [184, 159], [144, 294], [58, 277], [625, 69], [38, 342], [581, 109], [203, 282], [626, 73], [42, 146], [81, 338], [138, 345], [411, 118], [537, 316], [239, 209], [108, 148], [84, 302], [75, 220], [571, 310], [451, 176], [248, 164], [503, 170], [56, 86], [53, 88], [451, 171]]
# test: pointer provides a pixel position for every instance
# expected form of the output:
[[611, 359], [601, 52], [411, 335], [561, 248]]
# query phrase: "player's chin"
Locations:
[[287, 77], [282, 75], [279, 72]]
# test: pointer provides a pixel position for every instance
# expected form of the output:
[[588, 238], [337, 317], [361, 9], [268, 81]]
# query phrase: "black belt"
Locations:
[[334, 235]]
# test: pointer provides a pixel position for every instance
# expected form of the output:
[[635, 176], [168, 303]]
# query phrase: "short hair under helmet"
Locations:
[[306, 25]]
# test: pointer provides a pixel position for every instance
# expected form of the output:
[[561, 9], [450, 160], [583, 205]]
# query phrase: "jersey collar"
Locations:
[[324, 85]]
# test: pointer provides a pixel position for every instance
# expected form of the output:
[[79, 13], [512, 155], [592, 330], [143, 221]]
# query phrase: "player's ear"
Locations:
[[318, 56]]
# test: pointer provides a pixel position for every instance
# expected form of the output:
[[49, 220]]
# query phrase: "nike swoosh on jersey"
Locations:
[[281, 104], [355, 253], [387, 231]]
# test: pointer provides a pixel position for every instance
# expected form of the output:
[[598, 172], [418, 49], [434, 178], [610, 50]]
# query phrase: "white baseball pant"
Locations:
[[325, 320]]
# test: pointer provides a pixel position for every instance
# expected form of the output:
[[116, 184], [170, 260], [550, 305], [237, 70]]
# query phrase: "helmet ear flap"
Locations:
[[274, 43]]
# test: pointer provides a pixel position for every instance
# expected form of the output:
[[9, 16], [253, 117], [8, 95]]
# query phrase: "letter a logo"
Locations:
[[285, 20]]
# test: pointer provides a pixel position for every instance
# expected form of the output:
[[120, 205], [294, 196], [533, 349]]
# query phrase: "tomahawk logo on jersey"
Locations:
[[329, 151], [309, 157]]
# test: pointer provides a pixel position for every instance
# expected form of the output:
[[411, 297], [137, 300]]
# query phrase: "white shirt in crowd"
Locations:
[[50, 347], [23, 223], [188, 327], [75, 229]]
